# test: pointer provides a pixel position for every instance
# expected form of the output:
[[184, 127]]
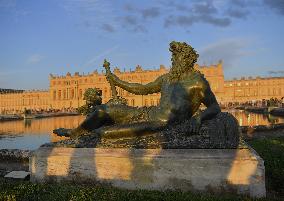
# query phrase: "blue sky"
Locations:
[[38, 37]]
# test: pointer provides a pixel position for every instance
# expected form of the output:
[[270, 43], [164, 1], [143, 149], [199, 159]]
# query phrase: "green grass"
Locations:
[[271, 150], [28, 191]]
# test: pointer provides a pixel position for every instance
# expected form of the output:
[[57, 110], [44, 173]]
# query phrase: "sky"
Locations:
[[39, 37]]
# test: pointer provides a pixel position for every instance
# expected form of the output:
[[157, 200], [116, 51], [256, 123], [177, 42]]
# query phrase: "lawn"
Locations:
[[271, 150]]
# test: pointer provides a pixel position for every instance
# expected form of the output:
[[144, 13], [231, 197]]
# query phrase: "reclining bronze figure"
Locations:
[[183, 89]]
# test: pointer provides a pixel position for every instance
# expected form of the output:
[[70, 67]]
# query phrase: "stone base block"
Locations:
[[239, 171]]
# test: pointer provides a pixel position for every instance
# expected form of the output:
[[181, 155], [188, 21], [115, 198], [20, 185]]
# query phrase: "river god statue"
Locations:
[[182, 90]]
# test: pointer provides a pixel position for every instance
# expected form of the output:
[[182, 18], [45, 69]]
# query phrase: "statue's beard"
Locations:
[[179, 67]]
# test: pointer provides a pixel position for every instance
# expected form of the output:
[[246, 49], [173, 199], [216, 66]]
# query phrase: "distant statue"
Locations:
[[93, 97], [182, 90]]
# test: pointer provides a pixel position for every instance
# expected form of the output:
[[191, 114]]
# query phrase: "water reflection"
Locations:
[[32, 133], [252, 119]]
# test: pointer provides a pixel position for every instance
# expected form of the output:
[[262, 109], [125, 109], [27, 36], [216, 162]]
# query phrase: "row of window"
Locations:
[[252, 83], [66, 94], [103, 79], [251, 92], [24, 102]]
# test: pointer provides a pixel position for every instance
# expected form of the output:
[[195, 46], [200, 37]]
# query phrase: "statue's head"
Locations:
[[183, 59], [183, 54]]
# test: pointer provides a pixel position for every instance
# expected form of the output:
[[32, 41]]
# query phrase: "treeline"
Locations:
[[6, 91]]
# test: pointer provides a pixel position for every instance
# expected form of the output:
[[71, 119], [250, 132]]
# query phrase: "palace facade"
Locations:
[[67, 91], [253, 89]]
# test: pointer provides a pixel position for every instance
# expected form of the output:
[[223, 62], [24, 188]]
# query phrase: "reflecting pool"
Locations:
[[30, 134]]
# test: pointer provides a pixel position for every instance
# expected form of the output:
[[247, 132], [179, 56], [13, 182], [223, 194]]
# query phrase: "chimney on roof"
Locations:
[[162, 67]]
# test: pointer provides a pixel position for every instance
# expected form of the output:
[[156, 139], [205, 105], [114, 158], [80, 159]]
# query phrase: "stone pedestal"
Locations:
[[239, 171]]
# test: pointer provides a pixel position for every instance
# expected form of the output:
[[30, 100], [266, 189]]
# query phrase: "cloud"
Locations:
[[108, 28], [276, 5], [140, 28], [239, 8], [195, 12], [136, 18], [237, 13], [35, 58], [217, 21], [173, 5], [150, 12], [129, 7], [186, 21], [239, 3], [229, 50], [130, 20], [205, 8], [218, 13]]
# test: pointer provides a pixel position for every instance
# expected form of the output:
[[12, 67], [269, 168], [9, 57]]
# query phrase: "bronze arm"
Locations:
[[112, 86], [211, 103], [135, 88], [139, 89]]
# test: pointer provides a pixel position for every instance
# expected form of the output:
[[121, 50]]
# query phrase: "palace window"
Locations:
[[146, 102], [54, 95], [72, 94], [133, 102], [67, 93], [59, 94]]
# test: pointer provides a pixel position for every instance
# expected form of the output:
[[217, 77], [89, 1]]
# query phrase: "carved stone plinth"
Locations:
[[239, 171]]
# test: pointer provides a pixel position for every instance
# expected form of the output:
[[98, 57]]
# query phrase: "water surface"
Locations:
[[30, 134]]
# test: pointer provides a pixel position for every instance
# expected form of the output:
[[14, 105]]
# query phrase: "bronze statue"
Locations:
[[182, 90]]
